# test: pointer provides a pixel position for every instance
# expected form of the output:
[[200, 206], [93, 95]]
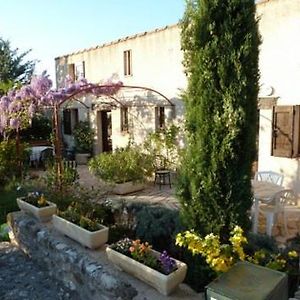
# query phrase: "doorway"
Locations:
[[106, 130]]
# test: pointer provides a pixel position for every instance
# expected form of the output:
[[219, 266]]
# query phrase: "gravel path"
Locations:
[[22, 279]]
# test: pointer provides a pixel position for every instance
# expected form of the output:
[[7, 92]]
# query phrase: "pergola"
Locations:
[[38, 94]]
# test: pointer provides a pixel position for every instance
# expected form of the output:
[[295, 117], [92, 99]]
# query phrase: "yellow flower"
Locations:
[[293, 254]]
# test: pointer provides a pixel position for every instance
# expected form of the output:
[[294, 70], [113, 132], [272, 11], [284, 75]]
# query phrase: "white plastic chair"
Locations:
[[269, 176], [282, 202]]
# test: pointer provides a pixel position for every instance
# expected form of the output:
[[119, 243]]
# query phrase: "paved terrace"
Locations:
[[152, 193], [166, 197]]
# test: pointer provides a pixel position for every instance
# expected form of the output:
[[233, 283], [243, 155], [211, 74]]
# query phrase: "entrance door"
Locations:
[[106, 130]]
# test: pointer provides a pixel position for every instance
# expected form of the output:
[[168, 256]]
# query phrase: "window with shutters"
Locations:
[[285, 131]]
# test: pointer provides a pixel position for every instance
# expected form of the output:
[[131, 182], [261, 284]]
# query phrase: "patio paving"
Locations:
[[164, 196]]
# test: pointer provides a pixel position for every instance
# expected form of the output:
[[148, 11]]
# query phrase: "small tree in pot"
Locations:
[[84, 137]]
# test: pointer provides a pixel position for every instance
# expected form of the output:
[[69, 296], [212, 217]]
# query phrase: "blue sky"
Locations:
[[52, 28]]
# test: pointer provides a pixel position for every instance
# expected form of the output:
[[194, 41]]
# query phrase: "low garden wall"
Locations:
[[86, 271]]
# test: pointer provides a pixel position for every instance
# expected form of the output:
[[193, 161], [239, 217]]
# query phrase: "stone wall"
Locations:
[[85, 271]]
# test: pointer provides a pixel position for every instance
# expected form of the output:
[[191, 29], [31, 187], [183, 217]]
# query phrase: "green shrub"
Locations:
[[4, 229], [68, 177], [258, 242], [8, 200], [9, 166], [84, 137], [122, 165], [40, 129], [158, 226], [163, 147]]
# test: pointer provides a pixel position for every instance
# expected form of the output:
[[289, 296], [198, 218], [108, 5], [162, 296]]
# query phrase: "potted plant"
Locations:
[[80, 228], [126, 168], [156, 269], [83, 137], [36, 204]]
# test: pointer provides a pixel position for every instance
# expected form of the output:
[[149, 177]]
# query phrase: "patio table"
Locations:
[[263, 192], [36, 153]]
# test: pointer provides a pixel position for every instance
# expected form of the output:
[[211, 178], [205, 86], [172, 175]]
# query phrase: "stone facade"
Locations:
[[155, 63], [279, 63]]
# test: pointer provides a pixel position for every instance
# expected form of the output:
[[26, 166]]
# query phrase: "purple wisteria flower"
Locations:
[[168, 264], [14, 123], [4, 103]]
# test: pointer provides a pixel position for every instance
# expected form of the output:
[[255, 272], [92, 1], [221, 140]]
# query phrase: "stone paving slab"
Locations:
[[21, 279]]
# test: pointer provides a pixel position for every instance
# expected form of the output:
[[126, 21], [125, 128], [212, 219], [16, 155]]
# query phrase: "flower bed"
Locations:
[[37, 205], [157, 269], [81, 229]]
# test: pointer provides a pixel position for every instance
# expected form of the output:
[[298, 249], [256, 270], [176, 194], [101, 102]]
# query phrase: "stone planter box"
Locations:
[[44, 214], [127, 187], [165, 284], [82, 158], [90, 239]]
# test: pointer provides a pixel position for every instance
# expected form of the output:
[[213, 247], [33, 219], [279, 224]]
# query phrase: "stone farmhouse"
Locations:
[[153, 60]]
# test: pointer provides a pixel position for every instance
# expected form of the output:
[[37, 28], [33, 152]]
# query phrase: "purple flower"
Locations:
[[14, 123], [31, 109], [41, 84], [168, 264], [25, 91], [4, 103]]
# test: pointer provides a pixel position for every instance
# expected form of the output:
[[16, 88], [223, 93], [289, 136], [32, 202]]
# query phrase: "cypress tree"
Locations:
[[220, 42]]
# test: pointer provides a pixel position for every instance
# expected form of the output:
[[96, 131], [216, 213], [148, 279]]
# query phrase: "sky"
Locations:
[[53, 28]]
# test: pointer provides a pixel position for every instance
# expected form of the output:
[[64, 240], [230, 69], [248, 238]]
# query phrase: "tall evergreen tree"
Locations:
[[13, 68], [220, 42]]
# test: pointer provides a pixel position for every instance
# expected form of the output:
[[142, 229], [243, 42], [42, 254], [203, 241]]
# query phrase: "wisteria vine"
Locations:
[[20, 105]]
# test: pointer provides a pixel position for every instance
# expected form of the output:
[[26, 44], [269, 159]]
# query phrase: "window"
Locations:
[[79, 70], [127, 57], [124, 119], [285, 131], [70, 119], [160, 117], [71, 71]]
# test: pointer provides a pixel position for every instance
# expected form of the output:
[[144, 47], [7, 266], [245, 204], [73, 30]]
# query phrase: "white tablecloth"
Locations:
[[36, 152]]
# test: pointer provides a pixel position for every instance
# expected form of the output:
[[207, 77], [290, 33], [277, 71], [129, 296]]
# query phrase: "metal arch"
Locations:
[[87, 88], [149, 89], [56, 119]]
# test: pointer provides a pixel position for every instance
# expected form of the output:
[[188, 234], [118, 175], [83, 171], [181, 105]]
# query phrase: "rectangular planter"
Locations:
[[90, 239], [44, 214], [127, 187], [165, 284]]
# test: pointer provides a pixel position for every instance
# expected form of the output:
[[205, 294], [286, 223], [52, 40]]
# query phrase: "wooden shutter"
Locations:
[[285, 133]]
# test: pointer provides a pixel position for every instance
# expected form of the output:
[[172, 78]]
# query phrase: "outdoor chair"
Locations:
[[46, 157], [269, 176], [283, 202]]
